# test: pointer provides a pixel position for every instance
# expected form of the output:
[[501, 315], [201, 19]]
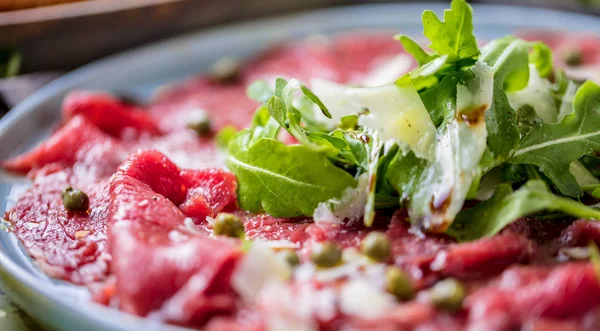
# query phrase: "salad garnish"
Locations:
[[498, 125]]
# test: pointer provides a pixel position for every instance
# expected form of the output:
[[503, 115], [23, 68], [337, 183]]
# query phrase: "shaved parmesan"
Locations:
[[258, 266], [538, 95], [350, 207], [396, 112], [388, 71], [361, 298]]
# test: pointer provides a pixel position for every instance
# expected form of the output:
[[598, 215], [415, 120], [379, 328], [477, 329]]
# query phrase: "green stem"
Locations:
[[575, 208], [590, 187]]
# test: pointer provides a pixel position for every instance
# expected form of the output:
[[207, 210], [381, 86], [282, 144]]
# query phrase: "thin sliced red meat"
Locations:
[[580, 233], [68, 246], [313, 58], [409, 316], [225, 104], [156, 170], [163, 268], [209, 191], [266, 227], [76, 140], [524, 293], [108, 113], [484, 257]]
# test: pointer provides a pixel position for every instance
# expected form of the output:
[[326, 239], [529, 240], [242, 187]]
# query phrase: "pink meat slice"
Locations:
[[108, 113], [162, 267], [226, 104], [209, 192], [77, 140], [158, 172], [68, 246], [522, 294]]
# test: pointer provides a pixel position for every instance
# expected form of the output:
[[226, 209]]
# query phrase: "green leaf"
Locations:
[[411, 47], [505, 206], [596, 192], [224, 136], [263, 126], [349, 122], [553, 147], [308, 93], [509, 58], [440, 100], [282, 180], [259, 91], [454, 36], [541, 57], [594, 258]]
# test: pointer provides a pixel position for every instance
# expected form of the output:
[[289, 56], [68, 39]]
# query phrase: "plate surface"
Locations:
[[139, 72]]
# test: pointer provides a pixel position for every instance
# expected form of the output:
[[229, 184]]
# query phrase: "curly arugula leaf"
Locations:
[[554, 146], [491, 216], [281, 107], [414, 49], [282, 180], [454, 36]]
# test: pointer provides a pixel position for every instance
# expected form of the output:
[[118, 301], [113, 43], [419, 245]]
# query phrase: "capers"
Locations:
[[228, 225], [226, 70], [448, 294], [326, 255], [290, 257], [75, 200], [399, 284], [376, 246], [201, 125], [572, 57]]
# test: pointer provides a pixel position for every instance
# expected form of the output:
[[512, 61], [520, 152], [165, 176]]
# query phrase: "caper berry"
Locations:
[[201, 126], [572, 57], [448, 294], [228, 225], [291, 257], [75, 200], [376, 246], [326, 255], [399, 284]]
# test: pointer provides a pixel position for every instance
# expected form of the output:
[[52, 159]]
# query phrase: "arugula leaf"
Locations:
[[594, 258], [509, 58], [224, 136], [491, 216], [415, 50], [454, 36], [553, 147], [541, 58], [259, 91], [282, 180]]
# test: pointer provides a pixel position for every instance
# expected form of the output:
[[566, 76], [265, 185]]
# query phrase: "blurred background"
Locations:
[[41, 39]]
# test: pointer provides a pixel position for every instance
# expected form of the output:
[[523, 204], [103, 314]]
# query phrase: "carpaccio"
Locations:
[[146, 246]]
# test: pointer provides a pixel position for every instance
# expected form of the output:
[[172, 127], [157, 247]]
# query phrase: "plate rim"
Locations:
[[11, 269]]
